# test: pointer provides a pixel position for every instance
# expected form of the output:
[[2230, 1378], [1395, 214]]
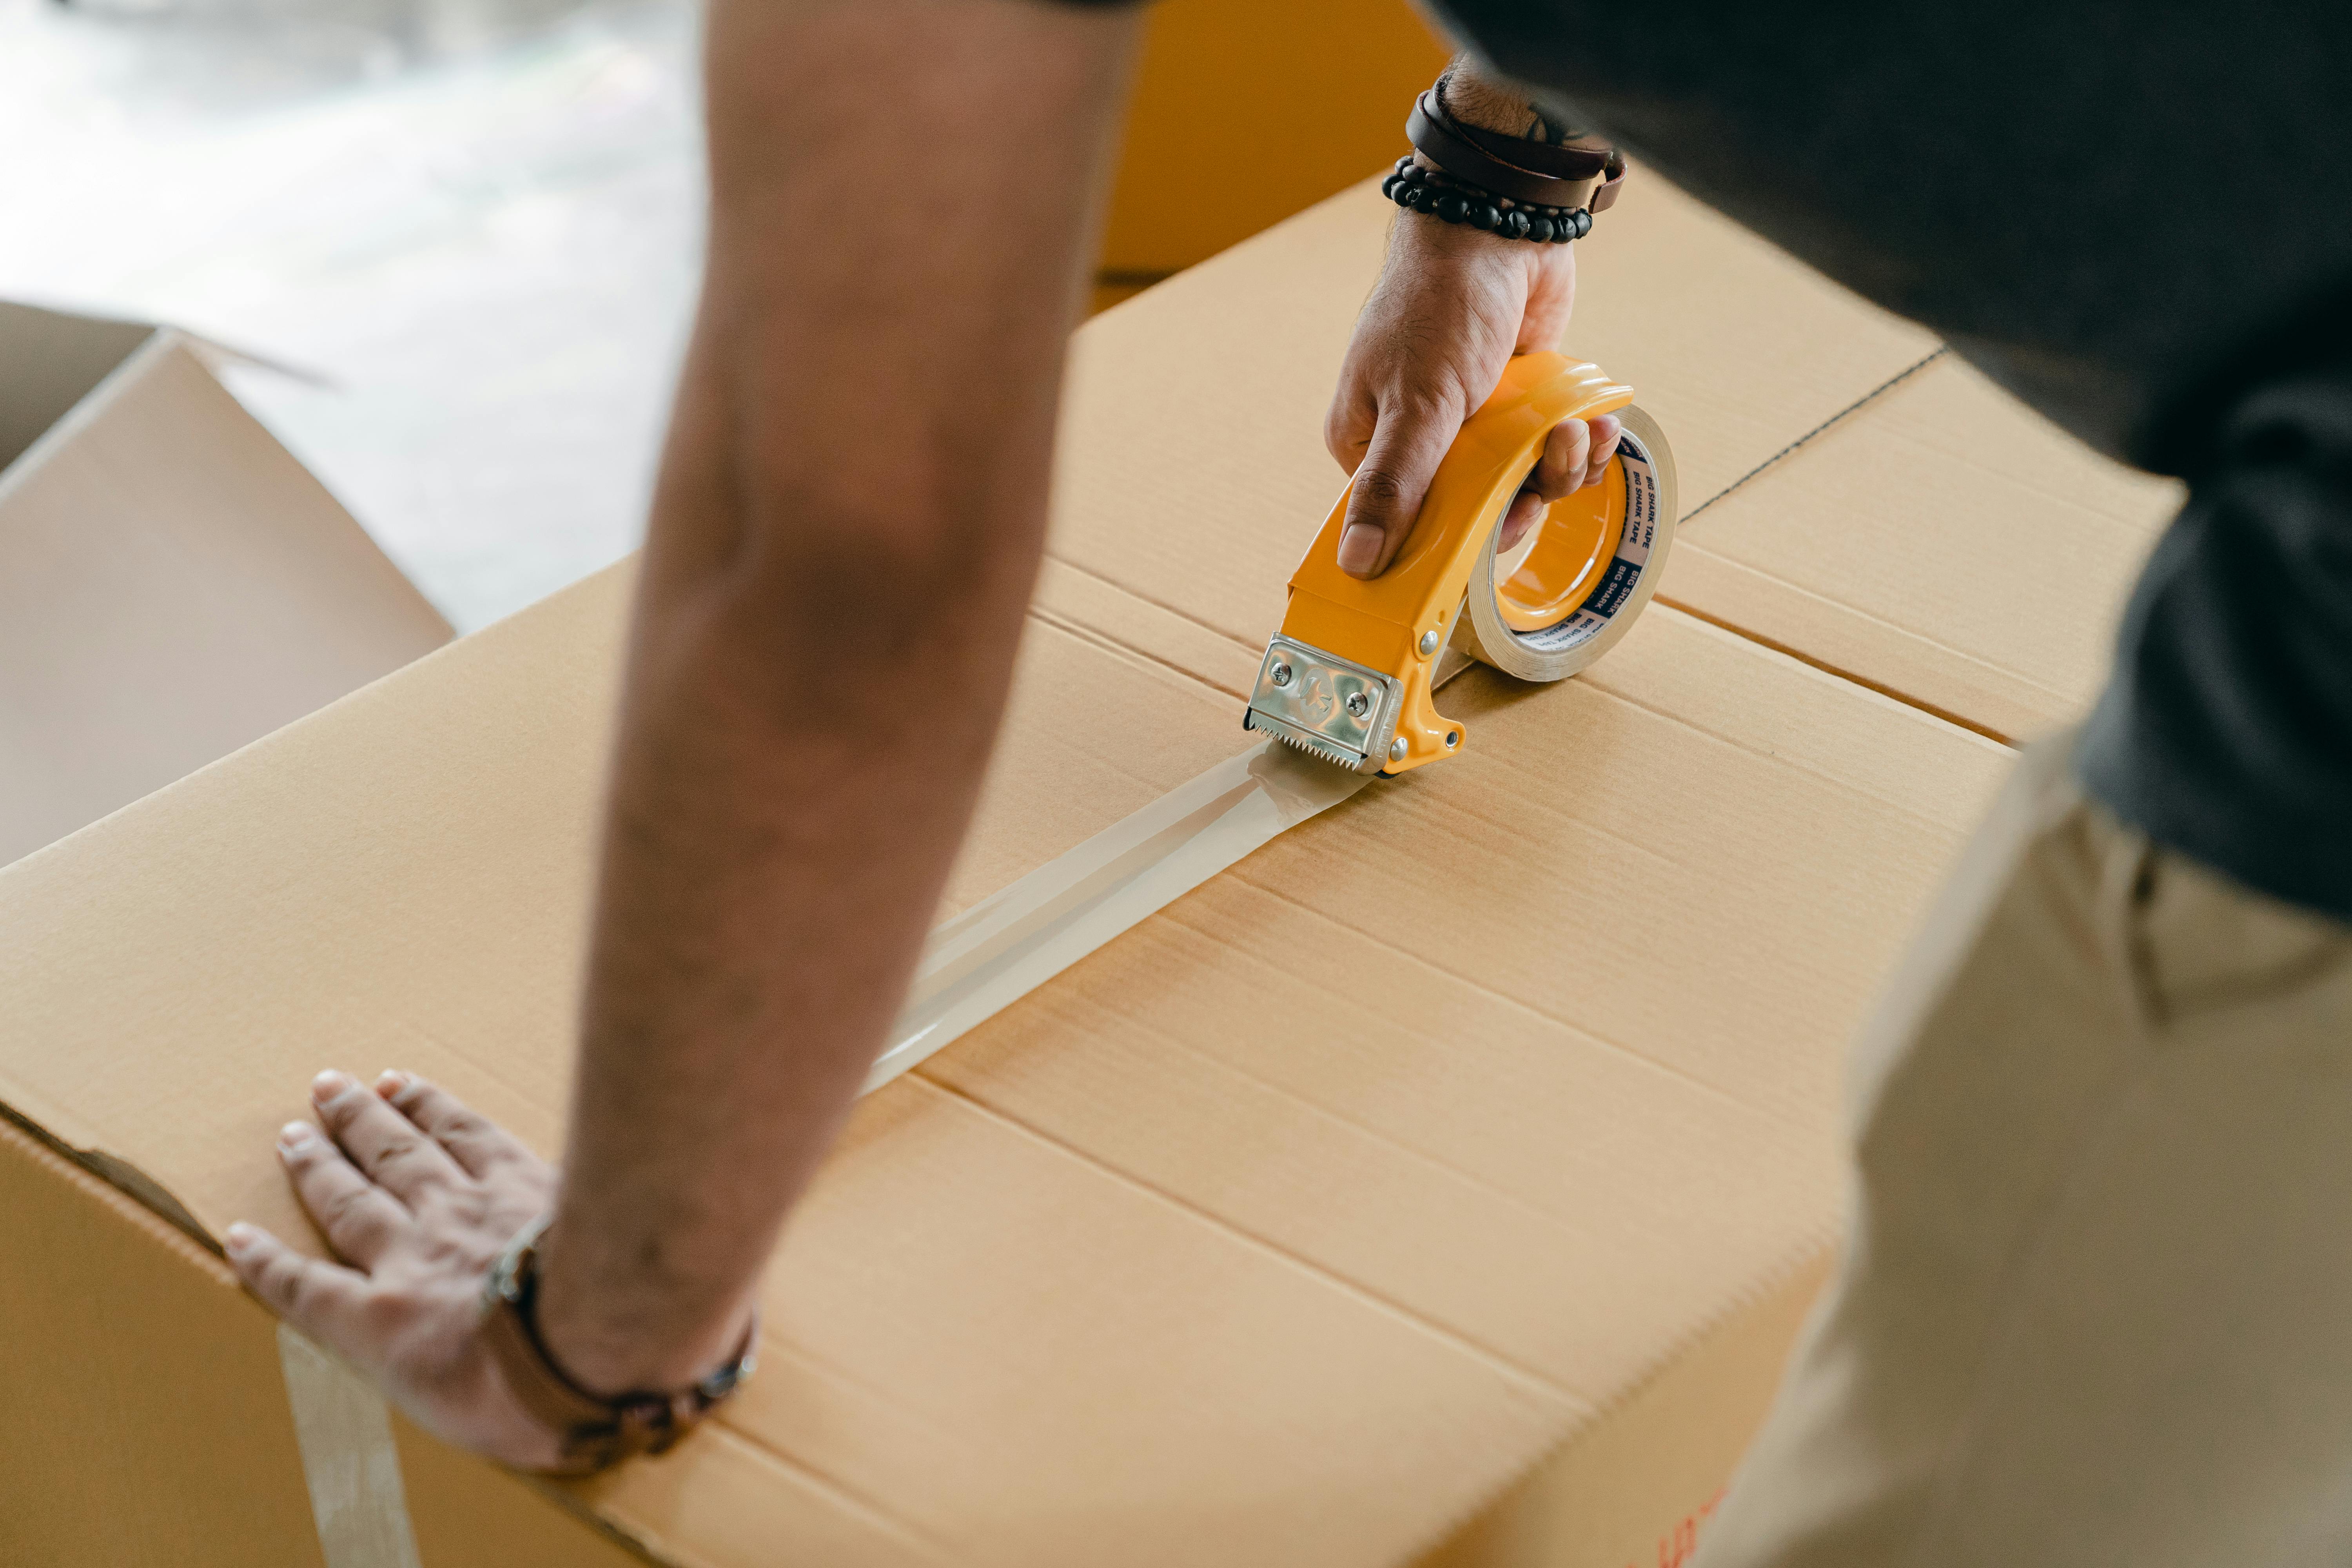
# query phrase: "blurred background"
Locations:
[[468, 231]]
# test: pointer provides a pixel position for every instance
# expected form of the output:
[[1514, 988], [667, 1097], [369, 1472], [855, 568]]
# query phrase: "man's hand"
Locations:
[[1453, 305], [417, 1195]]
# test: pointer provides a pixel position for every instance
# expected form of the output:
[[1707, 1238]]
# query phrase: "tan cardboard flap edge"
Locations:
[[174, 584]]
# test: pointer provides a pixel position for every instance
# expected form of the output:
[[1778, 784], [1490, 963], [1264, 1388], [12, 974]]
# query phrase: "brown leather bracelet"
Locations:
[[1436, 137], [1543, 158], [1526, 153], [1438, 140], [592, 1433]]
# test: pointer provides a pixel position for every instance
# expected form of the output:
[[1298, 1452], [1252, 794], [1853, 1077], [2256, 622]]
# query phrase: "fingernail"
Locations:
[[294, 1134], [392, 1081], [239, 1237], [330, 1084], [1360, 546]]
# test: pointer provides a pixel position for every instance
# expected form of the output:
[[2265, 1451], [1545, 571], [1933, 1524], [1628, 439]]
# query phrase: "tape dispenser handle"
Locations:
[[1387, 623]]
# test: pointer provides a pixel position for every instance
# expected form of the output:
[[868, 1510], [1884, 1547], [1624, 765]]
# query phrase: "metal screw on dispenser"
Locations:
[[1453, 739], [1429, 642], [1359, 704], [1396, 750], [1281, 676]]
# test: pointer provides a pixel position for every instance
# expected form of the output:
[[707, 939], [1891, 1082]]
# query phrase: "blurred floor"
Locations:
[[480, 219]]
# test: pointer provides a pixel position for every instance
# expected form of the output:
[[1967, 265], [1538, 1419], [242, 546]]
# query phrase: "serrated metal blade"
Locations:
[[1348, 760]]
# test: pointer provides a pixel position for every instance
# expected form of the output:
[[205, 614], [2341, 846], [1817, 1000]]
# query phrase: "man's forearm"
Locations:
[[845, 535]]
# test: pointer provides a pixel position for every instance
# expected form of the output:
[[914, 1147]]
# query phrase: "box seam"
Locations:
[[1503, 1366], [1859, 403], [35, 1145], [1323, 1113], [1911, 634], [1181, 615], [1893, 694], [1647, 1060], [1578, 1031], [1095, 637]]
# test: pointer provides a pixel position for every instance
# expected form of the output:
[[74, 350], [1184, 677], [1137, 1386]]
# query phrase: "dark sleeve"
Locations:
[[2129, 213], [2226, 730]]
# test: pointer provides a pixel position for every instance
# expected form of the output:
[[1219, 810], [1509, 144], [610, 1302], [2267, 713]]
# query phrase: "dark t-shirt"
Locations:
[[2138, 219]]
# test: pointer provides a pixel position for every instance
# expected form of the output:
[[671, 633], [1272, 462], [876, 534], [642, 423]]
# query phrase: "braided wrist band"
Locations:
[[1450, 200]]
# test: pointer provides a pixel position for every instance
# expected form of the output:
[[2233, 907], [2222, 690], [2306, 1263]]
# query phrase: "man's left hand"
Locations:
[[417, 1195]]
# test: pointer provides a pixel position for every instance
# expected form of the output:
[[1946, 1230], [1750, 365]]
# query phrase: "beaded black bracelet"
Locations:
[[1450, 200]]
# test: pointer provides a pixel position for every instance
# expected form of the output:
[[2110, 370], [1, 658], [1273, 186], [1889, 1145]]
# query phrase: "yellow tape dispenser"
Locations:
[[1351, 675]]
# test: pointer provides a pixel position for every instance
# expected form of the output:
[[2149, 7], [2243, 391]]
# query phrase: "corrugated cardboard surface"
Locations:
[[111, 1317], [173, 584], [1636, 1488], [1459, 1127], [1945, 544]]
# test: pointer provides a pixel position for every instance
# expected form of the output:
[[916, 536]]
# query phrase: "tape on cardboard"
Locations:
[[1014, 941], [1009, 944], [349, 1460]]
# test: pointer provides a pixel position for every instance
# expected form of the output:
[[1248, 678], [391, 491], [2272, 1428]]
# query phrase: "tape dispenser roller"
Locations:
[[1352, 675]]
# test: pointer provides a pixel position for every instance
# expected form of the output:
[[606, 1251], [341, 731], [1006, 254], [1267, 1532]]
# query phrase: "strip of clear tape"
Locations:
[[1015, 940], [349, 1459]]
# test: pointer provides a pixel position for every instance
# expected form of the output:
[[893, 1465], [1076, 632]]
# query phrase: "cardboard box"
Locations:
[[1455, 1167], [1945, 544], [173, 584]]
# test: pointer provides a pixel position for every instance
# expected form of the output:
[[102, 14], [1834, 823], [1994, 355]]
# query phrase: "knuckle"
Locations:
[[346, 1206], [1422, 403], [441, 1249], [399, 1149], [305, 1294], [416, 1099], [282, 1282]]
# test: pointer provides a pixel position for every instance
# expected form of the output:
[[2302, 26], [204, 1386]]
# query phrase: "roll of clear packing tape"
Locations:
[[1563, 596]]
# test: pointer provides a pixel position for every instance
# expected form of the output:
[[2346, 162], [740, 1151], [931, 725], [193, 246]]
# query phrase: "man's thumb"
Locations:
[[1390, 484]]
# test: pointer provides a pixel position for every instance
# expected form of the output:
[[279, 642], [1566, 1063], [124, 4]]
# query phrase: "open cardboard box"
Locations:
[[1448, 1176], [173, 584]]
